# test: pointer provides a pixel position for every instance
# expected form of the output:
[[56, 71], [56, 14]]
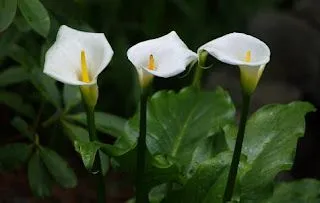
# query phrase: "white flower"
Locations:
[[245, 51], [77, 57], [165, 57]]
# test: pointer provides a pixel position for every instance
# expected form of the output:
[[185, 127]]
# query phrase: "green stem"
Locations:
[[197, 77], [101, 196], [237, 149], [199, 69], [141, 191]]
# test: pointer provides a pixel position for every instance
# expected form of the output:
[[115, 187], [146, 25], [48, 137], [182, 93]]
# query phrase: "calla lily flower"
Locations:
[[77, 57], [245, 51], [164, 57]]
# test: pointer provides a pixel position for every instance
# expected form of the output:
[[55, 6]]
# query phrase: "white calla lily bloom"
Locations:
[[245, 51], [164, 57], [77, 57]]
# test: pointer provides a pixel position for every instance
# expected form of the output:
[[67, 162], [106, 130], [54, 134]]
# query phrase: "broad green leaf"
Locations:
[[36, 15], [23, 127], [14, 155], [106, 123], [306, 190], [199, 185], [269, 145], [71, 96], [74, 132], [39, 178], [13, 75], [16, 102], [58, 168], [7, 12], [178, 122], [46, 86]]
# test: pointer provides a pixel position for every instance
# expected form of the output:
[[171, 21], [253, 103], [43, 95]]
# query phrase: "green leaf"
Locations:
[[36, 15], [71, 96], [74, 132], [178, 122], [106, 123], [22, 56], [39, 178], [23, 127], [21, 23], [104, 162], [306, 190], [46, 86], [15, 102], [13, 75], [198, 187], [88, 151], [14, 155], [7, 39], [58, 168], [269, 145], [7, 12]]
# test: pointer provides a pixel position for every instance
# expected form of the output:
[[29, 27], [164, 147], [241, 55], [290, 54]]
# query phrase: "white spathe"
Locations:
[[63, 59], [245, 51], [171, 56], [232, 49]]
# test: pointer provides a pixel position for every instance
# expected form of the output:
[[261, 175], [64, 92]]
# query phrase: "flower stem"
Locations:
[[101, 196], [237, 149], [141, 191], [199, 69]]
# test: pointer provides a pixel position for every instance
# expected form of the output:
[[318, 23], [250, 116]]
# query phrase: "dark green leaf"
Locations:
[[87, 151], [23, 127], [15, 101], [14, 155], [21, 23], [7, 12], [74, 132], [46, 86], [71, 96], [7, 39], [39, 178], [306, 190], [36, 15], [269, 145], [58, 168], [22, 56], [12, 76], [178, 122], [106, 123], [104, 162]]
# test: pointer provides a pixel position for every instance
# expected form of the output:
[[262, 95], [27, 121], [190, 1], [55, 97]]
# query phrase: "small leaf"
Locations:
[[39, 178], [106, 123], [87, 151], [71, 96], [58, 168], [23, 127], [46, 86], [13, 75], [36, 15], [15, 101], [7, 12], [74, 132], [14, 155], [104, 162], [306, 190]]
